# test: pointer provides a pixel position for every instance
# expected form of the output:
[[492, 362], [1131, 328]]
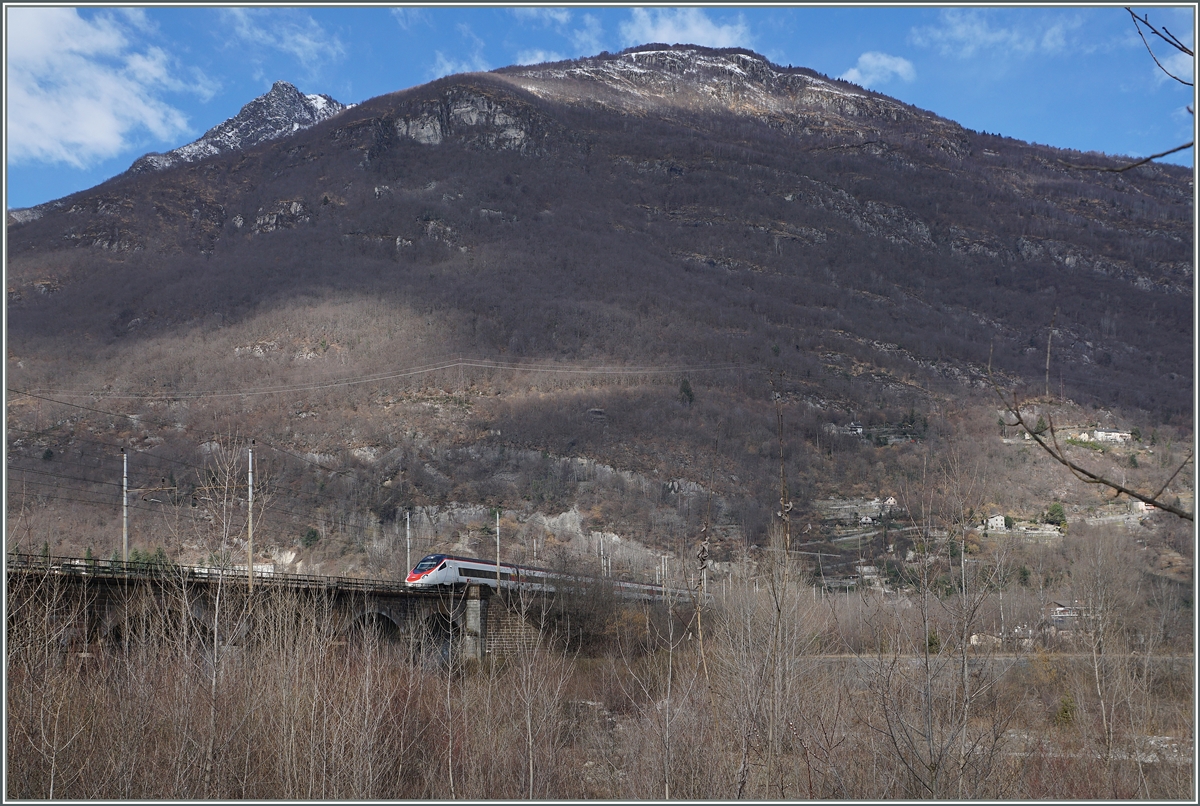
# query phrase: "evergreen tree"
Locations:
[[685, 392]]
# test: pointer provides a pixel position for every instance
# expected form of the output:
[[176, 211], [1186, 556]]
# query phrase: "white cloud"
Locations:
[[408, 17], [689, 26], [465, 31], [588, 39], [473, 63], [79, 91], [964, 33], [288, 31], [445, 66], [585, 36], [538, 56], [1054, 38], [876, 68], [138, 19], [543, 15]]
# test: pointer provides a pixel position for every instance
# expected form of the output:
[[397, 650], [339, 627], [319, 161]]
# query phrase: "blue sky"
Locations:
[[90, 89]]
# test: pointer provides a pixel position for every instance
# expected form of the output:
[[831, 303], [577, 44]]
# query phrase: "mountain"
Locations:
[[284, 110], [715, 159], [659, 79], [281, 111], [593, 234]]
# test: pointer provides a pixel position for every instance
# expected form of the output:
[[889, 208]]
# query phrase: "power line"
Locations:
[[60, 476], [40, 394], [304, 499], [58, 460], [44, 496], [160, 460], [425, 369], [199, 469], [161, 425], [115, 504], [73, 436], [306, 460]]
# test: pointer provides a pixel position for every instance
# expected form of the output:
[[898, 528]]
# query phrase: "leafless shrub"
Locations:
[[303, 709]]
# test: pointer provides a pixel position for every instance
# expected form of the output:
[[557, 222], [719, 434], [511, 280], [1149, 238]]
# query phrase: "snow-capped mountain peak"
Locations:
[[282, 110]]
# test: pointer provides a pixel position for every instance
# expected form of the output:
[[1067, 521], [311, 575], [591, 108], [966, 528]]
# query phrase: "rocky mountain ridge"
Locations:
[[281, 111], [731, 79]]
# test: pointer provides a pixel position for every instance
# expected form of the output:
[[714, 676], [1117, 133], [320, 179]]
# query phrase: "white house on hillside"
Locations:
[[994, 523]]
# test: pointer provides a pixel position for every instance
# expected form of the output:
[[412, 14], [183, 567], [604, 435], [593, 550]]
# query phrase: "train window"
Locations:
[[426, 564]]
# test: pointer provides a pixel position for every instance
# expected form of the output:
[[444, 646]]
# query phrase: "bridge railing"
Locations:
[[155, 569]]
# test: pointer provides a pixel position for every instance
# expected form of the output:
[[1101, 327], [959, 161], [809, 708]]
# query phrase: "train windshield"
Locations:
[[428, 563]]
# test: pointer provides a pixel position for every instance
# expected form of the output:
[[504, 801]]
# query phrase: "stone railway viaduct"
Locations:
[[97, 603]]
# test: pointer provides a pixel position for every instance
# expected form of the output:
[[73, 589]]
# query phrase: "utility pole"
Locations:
[[1049, 337], [497, 549], [407, 544], [250, 526], [125, 504], [125, 509]]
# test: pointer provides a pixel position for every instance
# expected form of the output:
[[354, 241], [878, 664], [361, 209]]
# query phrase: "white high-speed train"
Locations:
[[448, 570]]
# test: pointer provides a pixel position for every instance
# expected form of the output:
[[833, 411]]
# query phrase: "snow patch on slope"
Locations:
[[690, 76]]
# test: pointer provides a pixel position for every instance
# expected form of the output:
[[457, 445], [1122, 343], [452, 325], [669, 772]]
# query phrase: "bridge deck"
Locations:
[[108, 571], [74, 567]]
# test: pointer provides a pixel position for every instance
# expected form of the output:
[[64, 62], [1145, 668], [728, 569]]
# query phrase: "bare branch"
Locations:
[[1187, 459], [1124, 168], [1169, 38], [1083, 474], [1174, 42]]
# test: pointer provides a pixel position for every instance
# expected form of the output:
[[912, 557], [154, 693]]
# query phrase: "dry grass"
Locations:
[[291, 708]]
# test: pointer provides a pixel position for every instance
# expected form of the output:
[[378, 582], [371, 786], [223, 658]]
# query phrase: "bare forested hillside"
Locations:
[[474, 292]]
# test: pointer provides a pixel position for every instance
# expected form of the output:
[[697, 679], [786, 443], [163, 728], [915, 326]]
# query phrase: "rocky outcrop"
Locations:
[[285, 215], [475, 118]]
